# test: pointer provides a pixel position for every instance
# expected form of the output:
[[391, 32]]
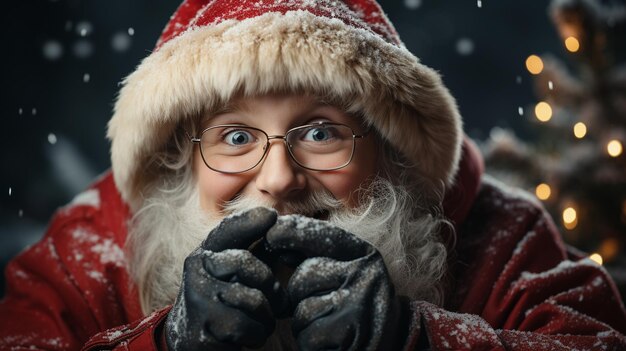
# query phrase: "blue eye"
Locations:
[[318, 134], [238, 138]]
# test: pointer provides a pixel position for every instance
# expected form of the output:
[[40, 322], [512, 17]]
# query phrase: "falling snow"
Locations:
[[131, 31], [10, 190], [550, 85], [520, 110], [90, 197], [52, 50], [479, 3], [83, 49], [52, 139], [413, 4], [84, 28], [86, 78], [465, 46], [120, 41]]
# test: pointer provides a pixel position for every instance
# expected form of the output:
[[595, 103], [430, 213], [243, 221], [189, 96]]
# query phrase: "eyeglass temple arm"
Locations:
[[192, 138], [366, 133]]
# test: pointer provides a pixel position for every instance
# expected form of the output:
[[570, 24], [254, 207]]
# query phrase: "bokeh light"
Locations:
[[534, 64], [570, 218], [543, 111], [596, 258], [580, 130], [614, 148], [572, 44], [543, 191], [609, 249]]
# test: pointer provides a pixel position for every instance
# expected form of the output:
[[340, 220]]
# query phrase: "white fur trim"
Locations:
[[403, 99]]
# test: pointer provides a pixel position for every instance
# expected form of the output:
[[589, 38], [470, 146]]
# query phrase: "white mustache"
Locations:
[[314, 204]]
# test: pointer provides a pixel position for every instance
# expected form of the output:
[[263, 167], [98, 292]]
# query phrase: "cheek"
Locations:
[[215, 187], [344, 182]]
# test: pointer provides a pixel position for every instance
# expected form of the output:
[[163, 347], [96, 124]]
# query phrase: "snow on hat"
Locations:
[[213, 49]]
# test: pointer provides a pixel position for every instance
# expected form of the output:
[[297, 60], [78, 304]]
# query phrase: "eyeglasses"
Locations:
[[233, 148]]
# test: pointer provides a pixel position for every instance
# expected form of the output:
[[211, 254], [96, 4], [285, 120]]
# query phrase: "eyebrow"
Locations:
[[231, 106], [238, 104]]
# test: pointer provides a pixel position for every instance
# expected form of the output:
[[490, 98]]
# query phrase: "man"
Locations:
[[382, 233]]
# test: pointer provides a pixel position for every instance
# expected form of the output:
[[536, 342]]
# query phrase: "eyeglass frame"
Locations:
[[268, 137]]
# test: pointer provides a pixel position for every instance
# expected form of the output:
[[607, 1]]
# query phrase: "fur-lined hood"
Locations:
[[212, 50]]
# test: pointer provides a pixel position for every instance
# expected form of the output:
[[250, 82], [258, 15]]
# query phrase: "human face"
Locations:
[[278, 178]]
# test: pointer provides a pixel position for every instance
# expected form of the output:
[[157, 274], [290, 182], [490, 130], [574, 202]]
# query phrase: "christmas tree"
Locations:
[[576, 164]]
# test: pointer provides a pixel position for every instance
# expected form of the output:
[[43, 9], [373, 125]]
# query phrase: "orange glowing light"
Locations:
[[543, 111], [543, 191], [596, 258], [572, 44], [580, 130], [534, 64]]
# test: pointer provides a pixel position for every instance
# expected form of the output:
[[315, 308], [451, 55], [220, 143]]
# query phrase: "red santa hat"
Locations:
[[213, 49]]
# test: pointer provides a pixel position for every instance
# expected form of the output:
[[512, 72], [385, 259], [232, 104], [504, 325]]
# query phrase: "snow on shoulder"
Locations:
[[89, 197]]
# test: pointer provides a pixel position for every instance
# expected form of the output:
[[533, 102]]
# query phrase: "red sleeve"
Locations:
[[73, 284], [517, 289], [42, 308], [46, 307], [145, 334]]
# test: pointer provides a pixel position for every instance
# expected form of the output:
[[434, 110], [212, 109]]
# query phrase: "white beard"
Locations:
[[163, 234]]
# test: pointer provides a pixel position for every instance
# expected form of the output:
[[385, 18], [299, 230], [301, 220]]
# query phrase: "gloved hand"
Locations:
[[341, 292], [227, 297]]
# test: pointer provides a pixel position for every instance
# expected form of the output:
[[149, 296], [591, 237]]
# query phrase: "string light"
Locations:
[[580, 130], [596, 258], [570, 219], [543, 191], [543, 111], [534, 64], [614, 148], [572, 44], [569, 215]]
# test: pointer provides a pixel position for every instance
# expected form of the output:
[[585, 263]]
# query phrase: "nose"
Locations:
[[278, 176]]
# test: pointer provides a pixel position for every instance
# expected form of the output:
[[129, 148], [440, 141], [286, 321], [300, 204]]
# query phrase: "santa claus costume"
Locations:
[[515, 285]]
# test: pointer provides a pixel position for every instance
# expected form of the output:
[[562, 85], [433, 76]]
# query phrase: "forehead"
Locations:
[[255, 102], [286, 107]]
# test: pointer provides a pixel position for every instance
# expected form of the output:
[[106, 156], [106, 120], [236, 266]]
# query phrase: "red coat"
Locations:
[[514, 287]]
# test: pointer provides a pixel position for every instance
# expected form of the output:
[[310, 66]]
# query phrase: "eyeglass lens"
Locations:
[[235, 149]]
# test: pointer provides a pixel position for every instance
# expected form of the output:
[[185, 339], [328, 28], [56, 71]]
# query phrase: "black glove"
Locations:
[[341, 292], [228, 296]]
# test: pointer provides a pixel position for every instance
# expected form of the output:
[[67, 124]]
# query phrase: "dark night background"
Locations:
[[63, 61]]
